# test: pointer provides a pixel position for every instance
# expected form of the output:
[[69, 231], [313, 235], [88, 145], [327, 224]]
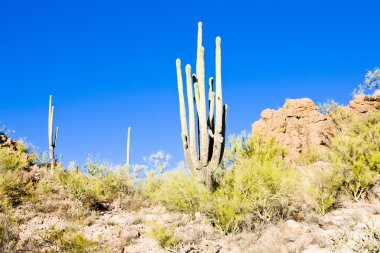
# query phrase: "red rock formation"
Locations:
[[362, 104], [301, 128], [298, 126]]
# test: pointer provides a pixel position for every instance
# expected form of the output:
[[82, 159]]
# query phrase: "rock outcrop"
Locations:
[[301, 128], [362, 104], [298, 126], [6, 142]]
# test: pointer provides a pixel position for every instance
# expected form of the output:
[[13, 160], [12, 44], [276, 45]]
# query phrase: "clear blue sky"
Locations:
[[111, 64]]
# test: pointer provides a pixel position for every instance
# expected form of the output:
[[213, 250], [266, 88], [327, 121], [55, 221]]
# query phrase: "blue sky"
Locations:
[[111, 64]]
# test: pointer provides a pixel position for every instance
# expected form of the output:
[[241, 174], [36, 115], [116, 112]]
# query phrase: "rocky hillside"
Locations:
[[43, 211]]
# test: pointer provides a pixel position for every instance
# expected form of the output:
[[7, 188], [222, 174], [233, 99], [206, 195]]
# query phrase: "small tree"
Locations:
[[372, 81]]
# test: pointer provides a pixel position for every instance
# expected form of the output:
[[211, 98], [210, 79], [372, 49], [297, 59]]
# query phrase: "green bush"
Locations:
[[15, 183], [12, 189], [94, 191], [355, 155], [68, 241], [319, 188], [256, 187], [371, 81], [178, 191], [12, 160], [95, 167], [328, 107], [163, 235], [8, 231]]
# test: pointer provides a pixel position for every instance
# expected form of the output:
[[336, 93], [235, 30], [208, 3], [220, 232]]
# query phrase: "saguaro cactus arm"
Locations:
[[220, 112], [193, 141], [56, 136], [184, 131], [202, 114]]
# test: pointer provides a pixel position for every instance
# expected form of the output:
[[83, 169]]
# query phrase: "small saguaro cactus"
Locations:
[[211, 129], [128, 149], [52, 137]]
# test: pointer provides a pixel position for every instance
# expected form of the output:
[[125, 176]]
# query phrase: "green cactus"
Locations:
[[211, 129], [128, 149], [52, 138]]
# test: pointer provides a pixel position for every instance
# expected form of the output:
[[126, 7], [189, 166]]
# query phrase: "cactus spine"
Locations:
[[211, 129], [52, 137], [128, 149]]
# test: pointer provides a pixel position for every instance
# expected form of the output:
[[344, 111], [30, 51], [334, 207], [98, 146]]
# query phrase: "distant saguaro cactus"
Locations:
[[211, 130], [128, 149], [52, 138]]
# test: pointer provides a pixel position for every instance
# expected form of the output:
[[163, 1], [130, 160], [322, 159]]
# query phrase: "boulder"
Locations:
[[298, 126], [363, 104]]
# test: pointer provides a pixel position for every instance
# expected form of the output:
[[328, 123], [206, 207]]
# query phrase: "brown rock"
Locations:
[[209, 246], [298, 126], [362, 104]]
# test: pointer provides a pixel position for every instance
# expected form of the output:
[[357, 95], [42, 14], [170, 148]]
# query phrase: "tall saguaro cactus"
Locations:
[[52, 137], [202, 156], [128, 149]]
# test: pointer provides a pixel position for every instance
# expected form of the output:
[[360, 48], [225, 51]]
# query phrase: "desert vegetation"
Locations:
[[254, 188], [245, 193]]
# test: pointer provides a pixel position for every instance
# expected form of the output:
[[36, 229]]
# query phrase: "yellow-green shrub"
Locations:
[[319, 188], [257, 187], [12, 160], [355, 155], [163, 235], [179, 191], [12, 188], [8, 231], [68, 241], [92, 191], [329, 107]]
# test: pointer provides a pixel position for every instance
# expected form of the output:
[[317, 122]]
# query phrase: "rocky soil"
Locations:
[[349, 228]]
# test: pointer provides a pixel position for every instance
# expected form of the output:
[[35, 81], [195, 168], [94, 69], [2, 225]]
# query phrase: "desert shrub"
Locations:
[[319, 188], [178, 190], [236, 146], [12, 160], [68, 241], [94, 166], [369, 240], [328, 107], [353, 163], [355, 155], [371, 81], [8, 231], [149, 175], [255, 185], [48, 184], [84, 188], [94, 190], [21, 146], [15, 182], [258, 186], [116, 183], [21, 157], [165, 236], [154, 165], [12, 188]]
